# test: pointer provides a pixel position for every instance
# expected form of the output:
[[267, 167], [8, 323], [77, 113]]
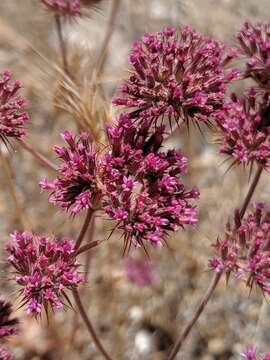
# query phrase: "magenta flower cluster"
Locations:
[[65, 7], [44, 268], [144, 190], [139, 271], [75, 188], [176, 74], [8, 327], [245, 128], [251, 353], [245, 250], [12, 114], [254, 41]]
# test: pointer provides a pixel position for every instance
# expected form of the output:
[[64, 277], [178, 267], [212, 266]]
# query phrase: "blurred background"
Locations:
[[134, 322]]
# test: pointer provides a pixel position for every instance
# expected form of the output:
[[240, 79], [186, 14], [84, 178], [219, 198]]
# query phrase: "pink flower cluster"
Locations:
[[251, 353], [8, 327], [254, 41], [139, 271], [245, 251], [144, 191], [65, 7], [44, 268], [12, 116], [76, 186], [245, 128], [177, 74]]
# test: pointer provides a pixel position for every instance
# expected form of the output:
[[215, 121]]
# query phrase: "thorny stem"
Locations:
[[89, 325], [217, 276], [41, 158], [86, 223], [61, 43]]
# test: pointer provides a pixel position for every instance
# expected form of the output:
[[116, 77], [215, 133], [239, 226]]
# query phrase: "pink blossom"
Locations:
[[179, 74], [64, 7], [8, 327], [251, 353], [139, 271], [254, 41], [245, 250], [12, 116], [245, 128], [76, 186], [144, 192], [44, 269]]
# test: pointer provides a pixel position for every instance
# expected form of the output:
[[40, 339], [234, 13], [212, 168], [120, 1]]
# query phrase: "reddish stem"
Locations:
[[86, 223], [62, 43], [89, 325], [217, 276]]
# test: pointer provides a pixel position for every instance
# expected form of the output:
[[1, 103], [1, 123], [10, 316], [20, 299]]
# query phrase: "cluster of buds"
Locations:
[[76, 187], [70, 8], [254, 41], [44, 269], [245, 128], [12, 114], [251, 353], [144, 190], [8, 327], [177, 74], [245, 250]]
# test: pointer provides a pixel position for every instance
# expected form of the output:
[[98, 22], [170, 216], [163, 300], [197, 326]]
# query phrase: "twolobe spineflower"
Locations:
[[139, 271], [76, 186], [12, 114], [44, 269], [250, 353], [245, 249], [64, 7], [176, 74], [254, 41], [8, 327], [245, 128], [144, 190]]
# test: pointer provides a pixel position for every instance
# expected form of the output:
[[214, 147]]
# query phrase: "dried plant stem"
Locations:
[[89, 325], [217, 276], [108, 35], [41, 158], [62, 43], [9, 178], [86, 223]]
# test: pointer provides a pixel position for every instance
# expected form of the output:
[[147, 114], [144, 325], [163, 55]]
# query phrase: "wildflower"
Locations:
[[64, 7], [245, 128], [139, 271], [179, 75], [12, 116], [251, 353], [254, 42], [144, 191], [44, 269], [245, 250], [8, 327], [76, 186]]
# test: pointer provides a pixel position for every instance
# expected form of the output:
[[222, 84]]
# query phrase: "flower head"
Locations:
[[64, 7], [251, 353], [12, 116], [76, 186], [245, 250], [254, 41], [8, 327], [139, 271], [144, 190], [245, 128], [44, 268], [179, 75]]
